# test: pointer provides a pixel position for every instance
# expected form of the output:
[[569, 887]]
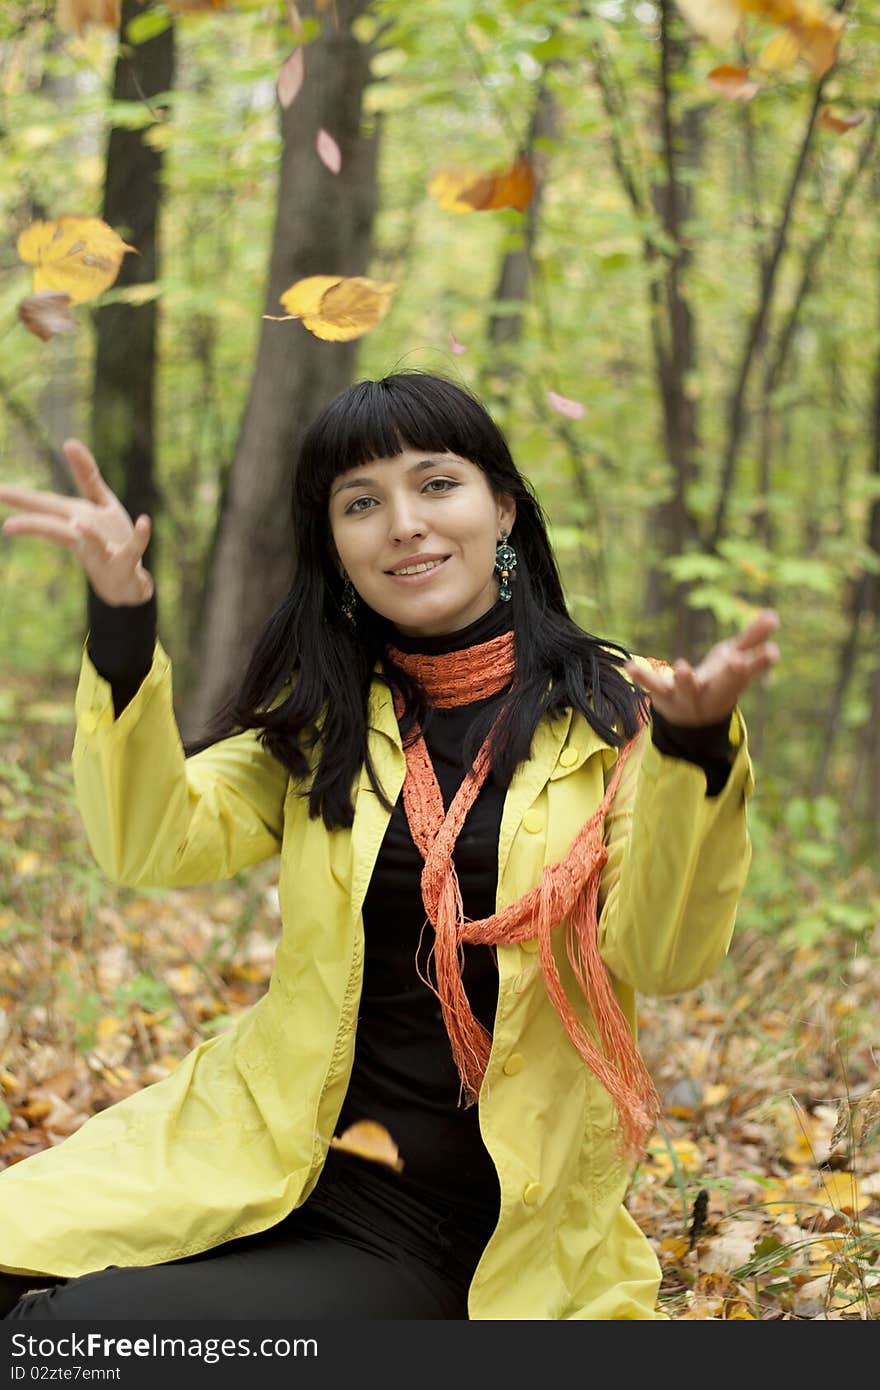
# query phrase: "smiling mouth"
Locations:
[[419, 572]]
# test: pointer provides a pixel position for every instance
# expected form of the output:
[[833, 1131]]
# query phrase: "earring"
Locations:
[[505, 562], [348, 600]]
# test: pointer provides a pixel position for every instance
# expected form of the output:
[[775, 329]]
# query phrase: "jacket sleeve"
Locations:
[[153, 817], [677, 864]]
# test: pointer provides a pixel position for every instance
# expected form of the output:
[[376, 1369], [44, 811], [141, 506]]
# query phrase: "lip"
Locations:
[[425, 575]]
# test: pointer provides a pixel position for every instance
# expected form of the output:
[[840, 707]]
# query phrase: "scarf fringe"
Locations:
[[568, 890]]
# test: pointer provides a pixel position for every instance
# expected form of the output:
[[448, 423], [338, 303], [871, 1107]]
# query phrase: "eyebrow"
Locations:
[[415, 468]]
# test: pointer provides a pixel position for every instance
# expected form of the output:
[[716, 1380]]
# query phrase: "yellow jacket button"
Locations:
[[568, 757], [514, 1063], [531, 945], [533, 821], [531, 1193]]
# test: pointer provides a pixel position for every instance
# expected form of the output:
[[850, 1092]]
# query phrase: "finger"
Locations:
[[47, 527], [758, 629], [86, 473], [139, 539], [52, 503], [656, 682]]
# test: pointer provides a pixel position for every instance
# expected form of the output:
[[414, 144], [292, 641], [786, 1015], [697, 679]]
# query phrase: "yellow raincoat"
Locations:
[[231, 1141]]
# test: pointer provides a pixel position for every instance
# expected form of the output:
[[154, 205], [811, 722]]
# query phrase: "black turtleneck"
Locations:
[[403, 1075]]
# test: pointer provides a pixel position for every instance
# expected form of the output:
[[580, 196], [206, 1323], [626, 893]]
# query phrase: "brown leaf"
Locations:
[[370, 1140], [840, 124], [44, 314]]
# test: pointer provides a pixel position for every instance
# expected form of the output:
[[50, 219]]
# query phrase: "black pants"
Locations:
[[362, 1246]]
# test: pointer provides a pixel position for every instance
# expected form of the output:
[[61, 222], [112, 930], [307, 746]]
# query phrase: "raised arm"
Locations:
[[152, 816], [679, 848]]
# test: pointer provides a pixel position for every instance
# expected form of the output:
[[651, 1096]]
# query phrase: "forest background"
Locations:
[[654, 253]]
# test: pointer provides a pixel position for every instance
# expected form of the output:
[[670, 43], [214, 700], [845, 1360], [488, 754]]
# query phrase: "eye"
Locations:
[[445, 483]]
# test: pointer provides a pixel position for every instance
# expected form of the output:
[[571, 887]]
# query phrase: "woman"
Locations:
[[460, 782]]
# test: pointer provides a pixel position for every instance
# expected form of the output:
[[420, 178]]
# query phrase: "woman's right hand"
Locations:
[[95, 526]]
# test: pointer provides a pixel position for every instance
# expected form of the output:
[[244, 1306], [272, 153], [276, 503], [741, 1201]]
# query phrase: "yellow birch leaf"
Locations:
[[369, 1140], [348, 308], [79, 256], [780, 53], [27, 864], [304, 296]]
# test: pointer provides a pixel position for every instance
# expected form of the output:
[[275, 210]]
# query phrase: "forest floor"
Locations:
[[760, 1191]]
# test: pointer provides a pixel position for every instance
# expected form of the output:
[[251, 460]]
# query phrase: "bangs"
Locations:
[[379, 419]]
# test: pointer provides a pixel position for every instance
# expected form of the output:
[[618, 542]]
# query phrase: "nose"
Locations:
[[405, 523]]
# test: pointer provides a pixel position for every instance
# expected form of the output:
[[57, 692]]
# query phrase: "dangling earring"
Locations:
[[505, 562], [348, 600]]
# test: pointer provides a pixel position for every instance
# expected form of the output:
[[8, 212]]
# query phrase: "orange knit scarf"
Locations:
[[568, 889]]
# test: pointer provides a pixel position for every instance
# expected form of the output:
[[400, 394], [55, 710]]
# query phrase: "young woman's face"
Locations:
[[393, 513]]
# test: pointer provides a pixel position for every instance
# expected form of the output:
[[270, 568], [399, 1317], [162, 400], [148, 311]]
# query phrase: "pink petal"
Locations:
[[290, 78], [455, 346], [329, 152], [573, 409]]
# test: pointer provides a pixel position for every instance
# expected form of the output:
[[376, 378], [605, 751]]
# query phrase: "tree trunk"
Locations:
[[323, 226], [125, 356], [671, 525]]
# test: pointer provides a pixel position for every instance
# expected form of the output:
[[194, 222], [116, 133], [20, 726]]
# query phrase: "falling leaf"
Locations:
[[715, 20], [329, 152], [78, 256], [573, 409], [840, 124], [290, 78], [455, 346], [733, 82], [470, 190], [338, 308], [45, 314], [368, 1139], [818, 41], [780, 53], [73, 15]]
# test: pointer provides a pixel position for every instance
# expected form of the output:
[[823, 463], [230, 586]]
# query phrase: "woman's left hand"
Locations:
[[708, 693]]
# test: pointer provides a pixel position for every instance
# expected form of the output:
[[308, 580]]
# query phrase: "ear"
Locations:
[[506, 512]]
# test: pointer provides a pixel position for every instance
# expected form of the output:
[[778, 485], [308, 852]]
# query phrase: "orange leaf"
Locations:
[[733, 82], [470, 190], [818, 40], [370, 1140], [45, 314]]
